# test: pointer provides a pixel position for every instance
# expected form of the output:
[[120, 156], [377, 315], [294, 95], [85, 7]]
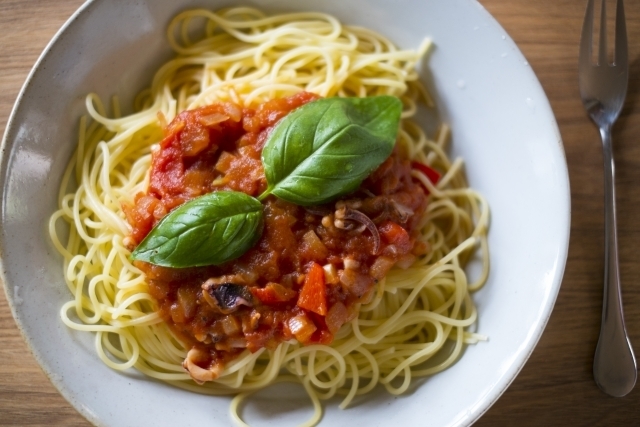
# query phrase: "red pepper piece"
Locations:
[[394, 234], [313, 295], [432, 174], [273, 294]]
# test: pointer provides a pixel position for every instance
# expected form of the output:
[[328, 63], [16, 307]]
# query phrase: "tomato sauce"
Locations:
[[311, 267]]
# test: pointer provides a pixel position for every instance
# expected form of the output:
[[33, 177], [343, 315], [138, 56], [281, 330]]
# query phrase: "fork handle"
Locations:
[[614, 365]]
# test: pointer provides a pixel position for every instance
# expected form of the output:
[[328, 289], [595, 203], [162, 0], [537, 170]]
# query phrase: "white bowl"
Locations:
[[502, 126]]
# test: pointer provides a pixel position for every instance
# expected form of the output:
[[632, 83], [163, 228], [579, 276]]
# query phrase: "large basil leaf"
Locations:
[[209, 230], [326, 148]]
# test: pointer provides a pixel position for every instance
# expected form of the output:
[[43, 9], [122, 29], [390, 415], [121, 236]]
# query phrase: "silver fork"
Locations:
[[603, 88]]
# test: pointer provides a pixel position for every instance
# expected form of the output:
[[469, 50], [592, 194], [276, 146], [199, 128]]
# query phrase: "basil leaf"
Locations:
[[209, 230], [326, 148]]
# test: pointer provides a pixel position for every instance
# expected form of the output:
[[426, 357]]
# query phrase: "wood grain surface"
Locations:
[[555, 387]]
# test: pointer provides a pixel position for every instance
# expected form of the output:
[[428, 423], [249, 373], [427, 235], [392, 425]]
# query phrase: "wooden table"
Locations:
[[556, 386]]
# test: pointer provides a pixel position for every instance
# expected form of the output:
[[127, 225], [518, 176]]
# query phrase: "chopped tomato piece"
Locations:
[[273, 294], [143, 215], [321, 336], [313, 296], [432, 174], [172, 130], [394, 234]]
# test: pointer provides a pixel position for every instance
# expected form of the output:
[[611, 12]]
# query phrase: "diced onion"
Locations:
[[301, 327], [336, 317], [230, 325], [212, 119], [381, 267], [330, 274]]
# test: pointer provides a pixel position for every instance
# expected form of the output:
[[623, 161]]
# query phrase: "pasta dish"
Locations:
[[270, 211]]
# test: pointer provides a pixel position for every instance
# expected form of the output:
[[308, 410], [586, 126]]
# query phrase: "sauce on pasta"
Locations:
[[312, 266]]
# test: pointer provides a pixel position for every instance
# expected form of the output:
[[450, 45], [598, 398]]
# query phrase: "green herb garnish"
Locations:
[[208, 230], [315, 154], [326, 148]]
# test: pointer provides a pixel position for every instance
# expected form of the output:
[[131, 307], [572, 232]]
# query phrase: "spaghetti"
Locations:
[[246, 57]]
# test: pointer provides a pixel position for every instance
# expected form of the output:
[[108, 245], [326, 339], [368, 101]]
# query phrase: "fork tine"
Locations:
[[602, 53], [620, 55], [586, 40]]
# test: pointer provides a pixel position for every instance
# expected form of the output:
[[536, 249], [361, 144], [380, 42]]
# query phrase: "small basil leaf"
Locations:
[[209, 230], [326, 148]]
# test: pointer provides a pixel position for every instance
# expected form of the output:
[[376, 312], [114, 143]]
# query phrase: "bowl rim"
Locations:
[[58, 384], [505, 381]]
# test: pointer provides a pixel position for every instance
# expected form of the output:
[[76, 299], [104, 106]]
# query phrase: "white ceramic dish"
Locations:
[[502, 125]]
